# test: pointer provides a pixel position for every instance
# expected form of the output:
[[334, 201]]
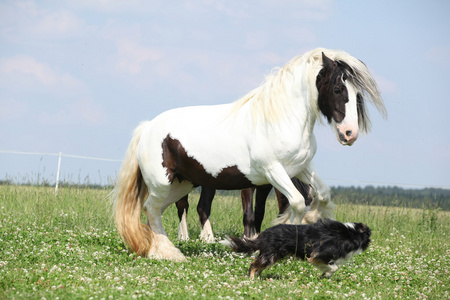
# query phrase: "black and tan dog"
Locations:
[[325, 244]]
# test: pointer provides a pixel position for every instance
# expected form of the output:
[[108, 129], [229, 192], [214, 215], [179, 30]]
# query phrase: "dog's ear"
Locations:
[[361, 227]]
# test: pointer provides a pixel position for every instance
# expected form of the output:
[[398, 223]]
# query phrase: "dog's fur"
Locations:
[[325, 244]]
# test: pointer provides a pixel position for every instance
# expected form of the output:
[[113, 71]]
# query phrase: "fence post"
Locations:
[[57, 174]]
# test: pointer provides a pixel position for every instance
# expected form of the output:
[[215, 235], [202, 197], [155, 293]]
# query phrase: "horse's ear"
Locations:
[[327, 62]]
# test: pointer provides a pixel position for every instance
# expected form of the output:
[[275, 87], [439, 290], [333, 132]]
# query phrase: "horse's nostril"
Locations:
[[348, 133]]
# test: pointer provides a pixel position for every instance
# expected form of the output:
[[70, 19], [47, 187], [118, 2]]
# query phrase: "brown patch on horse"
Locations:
[[181, 166]]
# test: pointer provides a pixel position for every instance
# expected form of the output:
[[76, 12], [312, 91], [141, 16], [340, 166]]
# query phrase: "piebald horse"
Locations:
[[252, 219], [264, 137]]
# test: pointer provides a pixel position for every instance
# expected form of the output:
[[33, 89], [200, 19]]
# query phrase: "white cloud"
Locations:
[[27, 19], [131, 56], [386, 86], [63, 99], [25, 69], [315, 10], [28, 66], [118, 6], [304, 10], [89, 111], [83, 111], [58, 23]]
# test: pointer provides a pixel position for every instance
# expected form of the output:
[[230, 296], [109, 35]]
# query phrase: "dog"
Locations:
[[326, 244]]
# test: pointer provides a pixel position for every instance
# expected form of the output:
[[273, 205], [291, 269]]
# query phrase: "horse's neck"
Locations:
[[298, 114], [303, 113]]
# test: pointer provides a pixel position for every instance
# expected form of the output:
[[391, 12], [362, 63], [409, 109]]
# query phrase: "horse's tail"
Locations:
[[242, 245], [130, 193]]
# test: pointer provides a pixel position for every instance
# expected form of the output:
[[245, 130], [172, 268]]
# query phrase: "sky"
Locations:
[[77, 76]]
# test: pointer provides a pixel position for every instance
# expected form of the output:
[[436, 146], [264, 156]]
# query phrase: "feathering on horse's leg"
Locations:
[[162, 247], [183, 234], [321, 207], [206, 234], [182, 208], [155, 205], [278, 177], [204, 211], [291, 215]]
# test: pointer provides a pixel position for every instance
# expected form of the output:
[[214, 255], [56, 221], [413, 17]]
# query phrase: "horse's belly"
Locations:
[[181, 165]]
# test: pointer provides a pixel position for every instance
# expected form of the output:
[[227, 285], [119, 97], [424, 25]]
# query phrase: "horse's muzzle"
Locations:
[[347, 136]]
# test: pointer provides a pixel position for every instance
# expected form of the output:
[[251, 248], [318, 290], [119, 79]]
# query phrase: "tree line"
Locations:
[[431, 198]]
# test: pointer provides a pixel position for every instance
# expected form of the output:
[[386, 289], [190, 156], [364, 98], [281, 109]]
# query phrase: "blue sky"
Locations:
[[78, 76]]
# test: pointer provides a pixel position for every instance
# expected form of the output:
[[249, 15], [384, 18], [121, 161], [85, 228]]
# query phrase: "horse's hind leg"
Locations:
[[248, 214], [262, 192], [182, 208], [155, 205], [283, 202], [204, 211]]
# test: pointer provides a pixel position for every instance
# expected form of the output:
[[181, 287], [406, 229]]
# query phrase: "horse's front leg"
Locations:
[[321, 207], [277, 176]]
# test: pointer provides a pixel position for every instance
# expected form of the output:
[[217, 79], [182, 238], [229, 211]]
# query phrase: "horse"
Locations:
[[252, 219], [266, 137]]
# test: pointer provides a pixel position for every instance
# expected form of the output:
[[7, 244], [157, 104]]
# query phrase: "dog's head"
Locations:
[[336, 243], [360, 232]]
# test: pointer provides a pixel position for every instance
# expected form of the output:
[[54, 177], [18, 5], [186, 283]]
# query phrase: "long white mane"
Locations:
[[270, 101]]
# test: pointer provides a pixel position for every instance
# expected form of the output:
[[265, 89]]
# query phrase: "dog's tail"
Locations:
[[242, 245]]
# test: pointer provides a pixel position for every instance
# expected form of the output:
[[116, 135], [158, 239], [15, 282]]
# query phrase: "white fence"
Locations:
[[112, 167], [59, 165]]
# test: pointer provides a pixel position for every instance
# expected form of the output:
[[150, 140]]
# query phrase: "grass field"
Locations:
[[66, 247]]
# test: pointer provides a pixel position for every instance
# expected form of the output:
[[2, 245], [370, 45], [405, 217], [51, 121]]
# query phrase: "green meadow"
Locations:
[[67, 247]]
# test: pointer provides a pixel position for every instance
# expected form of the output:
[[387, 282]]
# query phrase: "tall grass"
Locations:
[[67, 247]]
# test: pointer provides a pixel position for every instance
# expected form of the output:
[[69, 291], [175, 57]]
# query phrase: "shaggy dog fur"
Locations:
[[325, 244]]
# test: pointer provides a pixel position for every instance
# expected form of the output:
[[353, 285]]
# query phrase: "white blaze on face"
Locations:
[[347, 130]]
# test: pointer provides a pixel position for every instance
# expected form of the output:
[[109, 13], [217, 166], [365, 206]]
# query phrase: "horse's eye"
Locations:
[[337, 90]]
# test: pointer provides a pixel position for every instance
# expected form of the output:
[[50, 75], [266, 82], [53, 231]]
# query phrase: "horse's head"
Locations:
[[339, 99]]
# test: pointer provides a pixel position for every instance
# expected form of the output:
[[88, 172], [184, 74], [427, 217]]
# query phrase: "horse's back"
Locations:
[[201, 144]]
